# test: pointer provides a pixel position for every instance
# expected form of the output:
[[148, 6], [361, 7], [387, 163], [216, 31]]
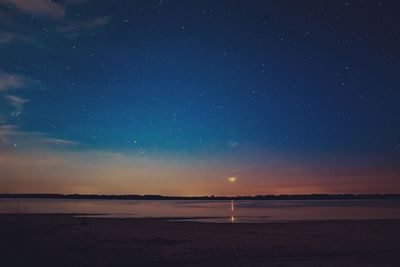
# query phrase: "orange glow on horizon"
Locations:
[[97, 172]]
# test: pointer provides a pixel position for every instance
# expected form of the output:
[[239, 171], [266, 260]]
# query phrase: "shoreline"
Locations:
[[65, 240]]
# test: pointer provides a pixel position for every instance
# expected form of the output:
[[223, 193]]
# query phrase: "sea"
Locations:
[[227, 211]]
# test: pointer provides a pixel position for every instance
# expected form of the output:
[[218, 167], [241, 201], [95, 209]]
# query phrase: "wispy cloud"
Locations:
[[41, 8], [11, 104], [12, 137], [77, 26], [85, 25], [10, 81], [9, 37], [61, 23], [17, 103]]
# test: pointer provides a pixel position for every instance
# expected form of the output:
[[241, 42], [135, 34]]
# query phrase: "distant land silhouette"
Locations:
[[160, 197]]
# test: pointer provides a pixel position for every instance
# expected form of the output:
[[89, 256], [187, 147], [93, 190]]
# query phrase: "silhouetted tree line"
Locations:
[[160, 197]]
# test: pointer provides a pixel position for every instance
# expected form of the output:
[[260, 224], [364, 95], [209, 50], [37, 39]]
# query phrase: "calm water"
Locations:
[[213, 211]]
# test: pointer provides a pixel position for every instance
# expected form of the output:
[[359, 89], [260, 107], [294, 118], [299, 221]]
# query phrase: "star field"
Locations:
[[309, 87]]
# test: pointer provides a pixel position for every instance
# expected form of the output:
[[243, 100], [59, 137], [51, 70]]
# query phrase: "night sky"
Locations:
[[175, 97]]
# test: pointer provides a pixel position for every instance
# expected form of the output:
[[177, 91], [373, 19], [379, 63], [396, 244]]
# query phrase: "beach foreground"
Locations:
[[64, 240]]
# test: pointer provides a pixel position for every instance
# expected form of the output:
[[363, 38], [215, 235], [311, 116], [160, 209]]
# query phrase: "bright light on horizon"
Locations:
[[232, 179]]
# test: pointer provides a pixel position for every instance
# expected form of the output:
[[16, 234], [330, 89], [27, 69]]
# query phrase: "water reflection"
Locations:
[[232, 219]]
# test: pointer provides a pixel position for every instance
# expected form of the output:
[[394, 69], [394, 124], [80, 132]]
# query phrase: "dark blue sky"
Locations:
[[301, 79]]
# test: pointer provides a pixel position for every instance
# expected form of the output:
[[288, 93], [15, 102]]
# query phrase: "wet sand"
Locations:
[[64, 240]]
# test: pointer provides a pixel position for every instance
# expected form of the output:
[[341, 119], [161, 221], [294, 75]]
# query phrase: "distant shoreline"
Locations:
[[160, 197]]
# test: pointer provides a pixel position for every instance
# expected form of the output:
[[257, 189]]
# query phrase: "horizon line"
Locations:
[[315, 196]]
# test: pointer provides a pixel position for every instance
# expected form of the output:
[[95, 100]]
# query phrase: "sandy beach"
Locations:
[[65, 240]]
